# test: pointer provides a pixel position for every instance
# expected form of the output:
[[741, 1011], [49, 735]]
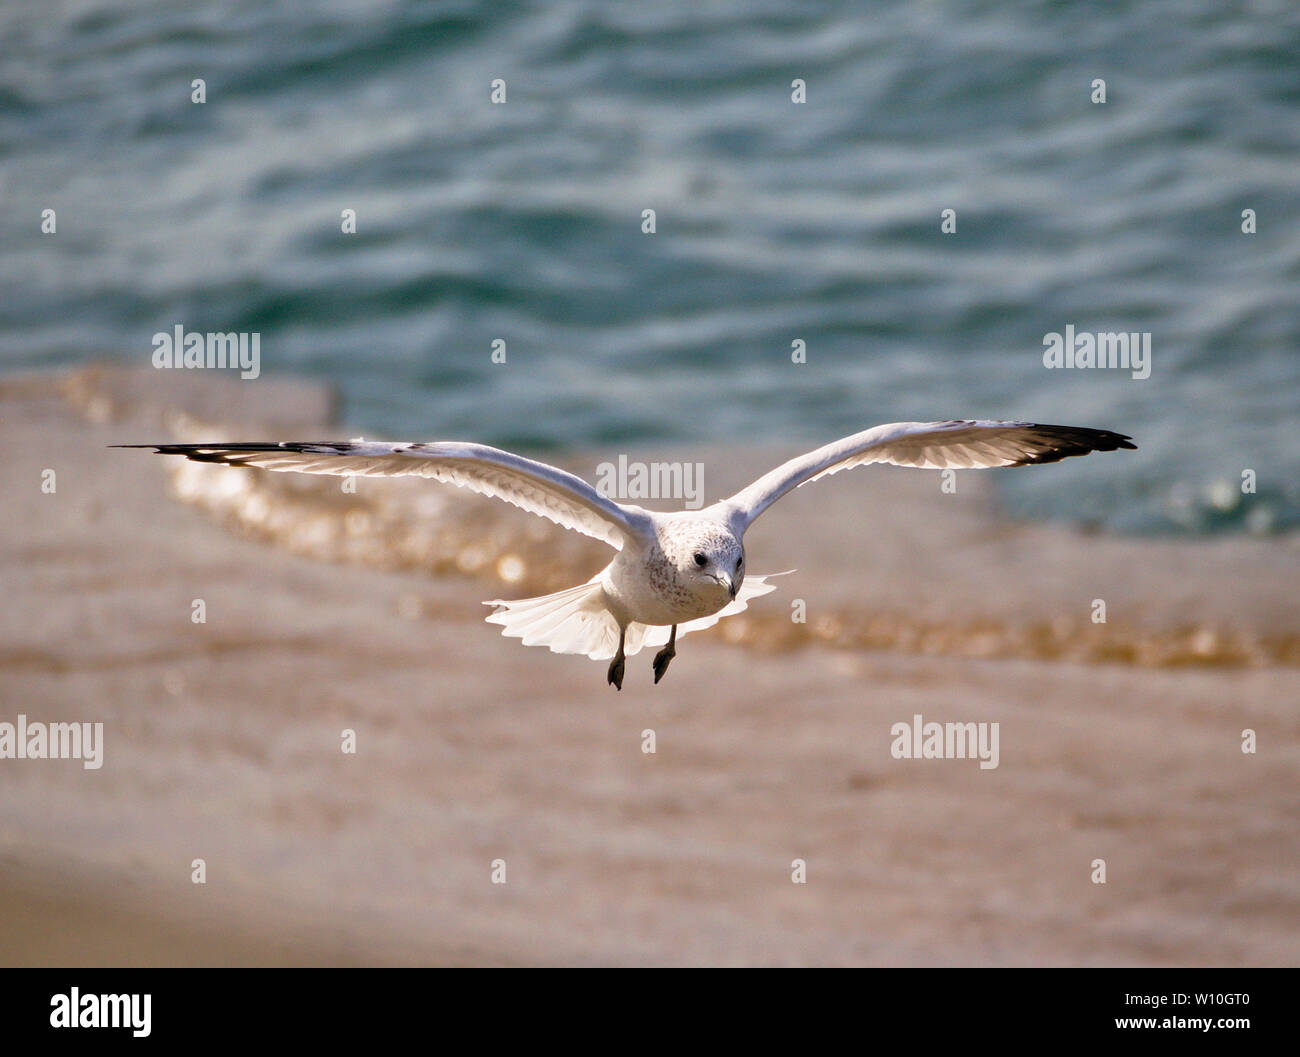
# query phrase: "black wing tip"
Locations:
[[230, 452], [170, 449], [221, 454], [1076, 440]]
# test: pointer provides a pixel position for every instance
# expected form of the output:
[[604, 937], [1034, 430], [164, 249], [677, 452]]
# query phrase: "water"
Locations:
[[775, 221]]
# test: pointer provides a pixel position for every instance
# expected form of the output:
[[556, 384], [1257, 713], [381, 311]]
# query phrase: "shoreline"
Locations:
[[222, 740]]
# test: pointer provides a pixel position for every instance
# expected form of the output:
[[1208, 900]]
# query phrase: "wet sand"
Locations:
[[222, 739]]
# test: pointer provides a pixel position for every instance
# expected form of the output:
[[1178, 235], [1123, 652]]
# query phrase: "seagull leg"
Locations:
[[665, 655], [616, 665]]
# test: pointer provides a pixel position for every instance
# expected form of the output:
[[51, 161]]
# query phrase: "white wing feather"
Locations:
[[928, 445], [533, 486]]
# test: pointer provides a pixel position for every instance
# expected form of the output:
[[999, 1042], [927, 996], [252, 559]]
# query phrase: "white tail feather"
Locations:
[[577, 620]]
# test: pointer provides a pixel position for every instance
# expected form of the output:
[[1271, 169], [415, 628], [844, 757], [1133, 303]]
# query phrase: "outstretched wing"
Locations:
[[534, 486], [930, 446]]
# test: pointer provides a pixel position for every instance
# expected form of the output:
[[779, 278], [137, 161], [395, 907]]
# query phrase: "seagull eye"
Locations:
[[701, 560], [739, 563]]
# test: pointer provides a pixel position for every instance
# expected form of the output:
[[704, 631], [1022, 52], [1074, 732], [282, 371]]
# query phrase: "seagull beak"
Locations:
[[728, 583]]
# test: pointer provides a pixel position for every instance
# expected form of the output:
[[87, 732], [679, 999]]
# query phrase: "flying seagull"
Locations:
[[679, 571]]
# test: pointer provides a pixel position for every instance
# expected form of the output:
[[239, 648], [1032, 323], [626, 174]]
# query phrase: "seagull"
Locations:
[[674, 572]]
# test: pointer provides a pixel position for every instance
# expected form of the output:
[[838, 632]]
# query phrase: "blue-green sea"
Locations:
[[776, 221]]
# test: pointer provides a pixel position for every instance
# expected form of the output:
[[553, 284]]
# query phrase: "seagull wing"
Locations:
[[534, 486], [930, 446]]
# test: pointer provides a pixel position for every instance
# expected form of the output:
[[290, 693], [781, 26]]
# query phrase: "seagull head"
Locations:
[[708, 558]]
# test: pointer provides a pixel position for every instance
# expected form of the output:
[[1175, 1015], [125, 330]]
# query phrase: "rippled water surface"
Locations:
[[776, 222]]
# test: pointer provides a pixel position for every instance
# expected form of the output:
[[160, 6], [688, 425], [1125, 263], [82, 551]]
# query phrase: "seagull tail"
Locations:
[[577, 620]]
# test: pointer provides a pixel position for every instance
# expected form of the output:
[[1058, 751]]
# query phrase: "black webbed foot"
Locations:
[[665, 656]]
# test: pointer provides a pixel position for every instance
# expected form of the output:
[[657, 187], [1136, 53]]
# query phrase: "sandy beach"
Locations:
[[327, 612]]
